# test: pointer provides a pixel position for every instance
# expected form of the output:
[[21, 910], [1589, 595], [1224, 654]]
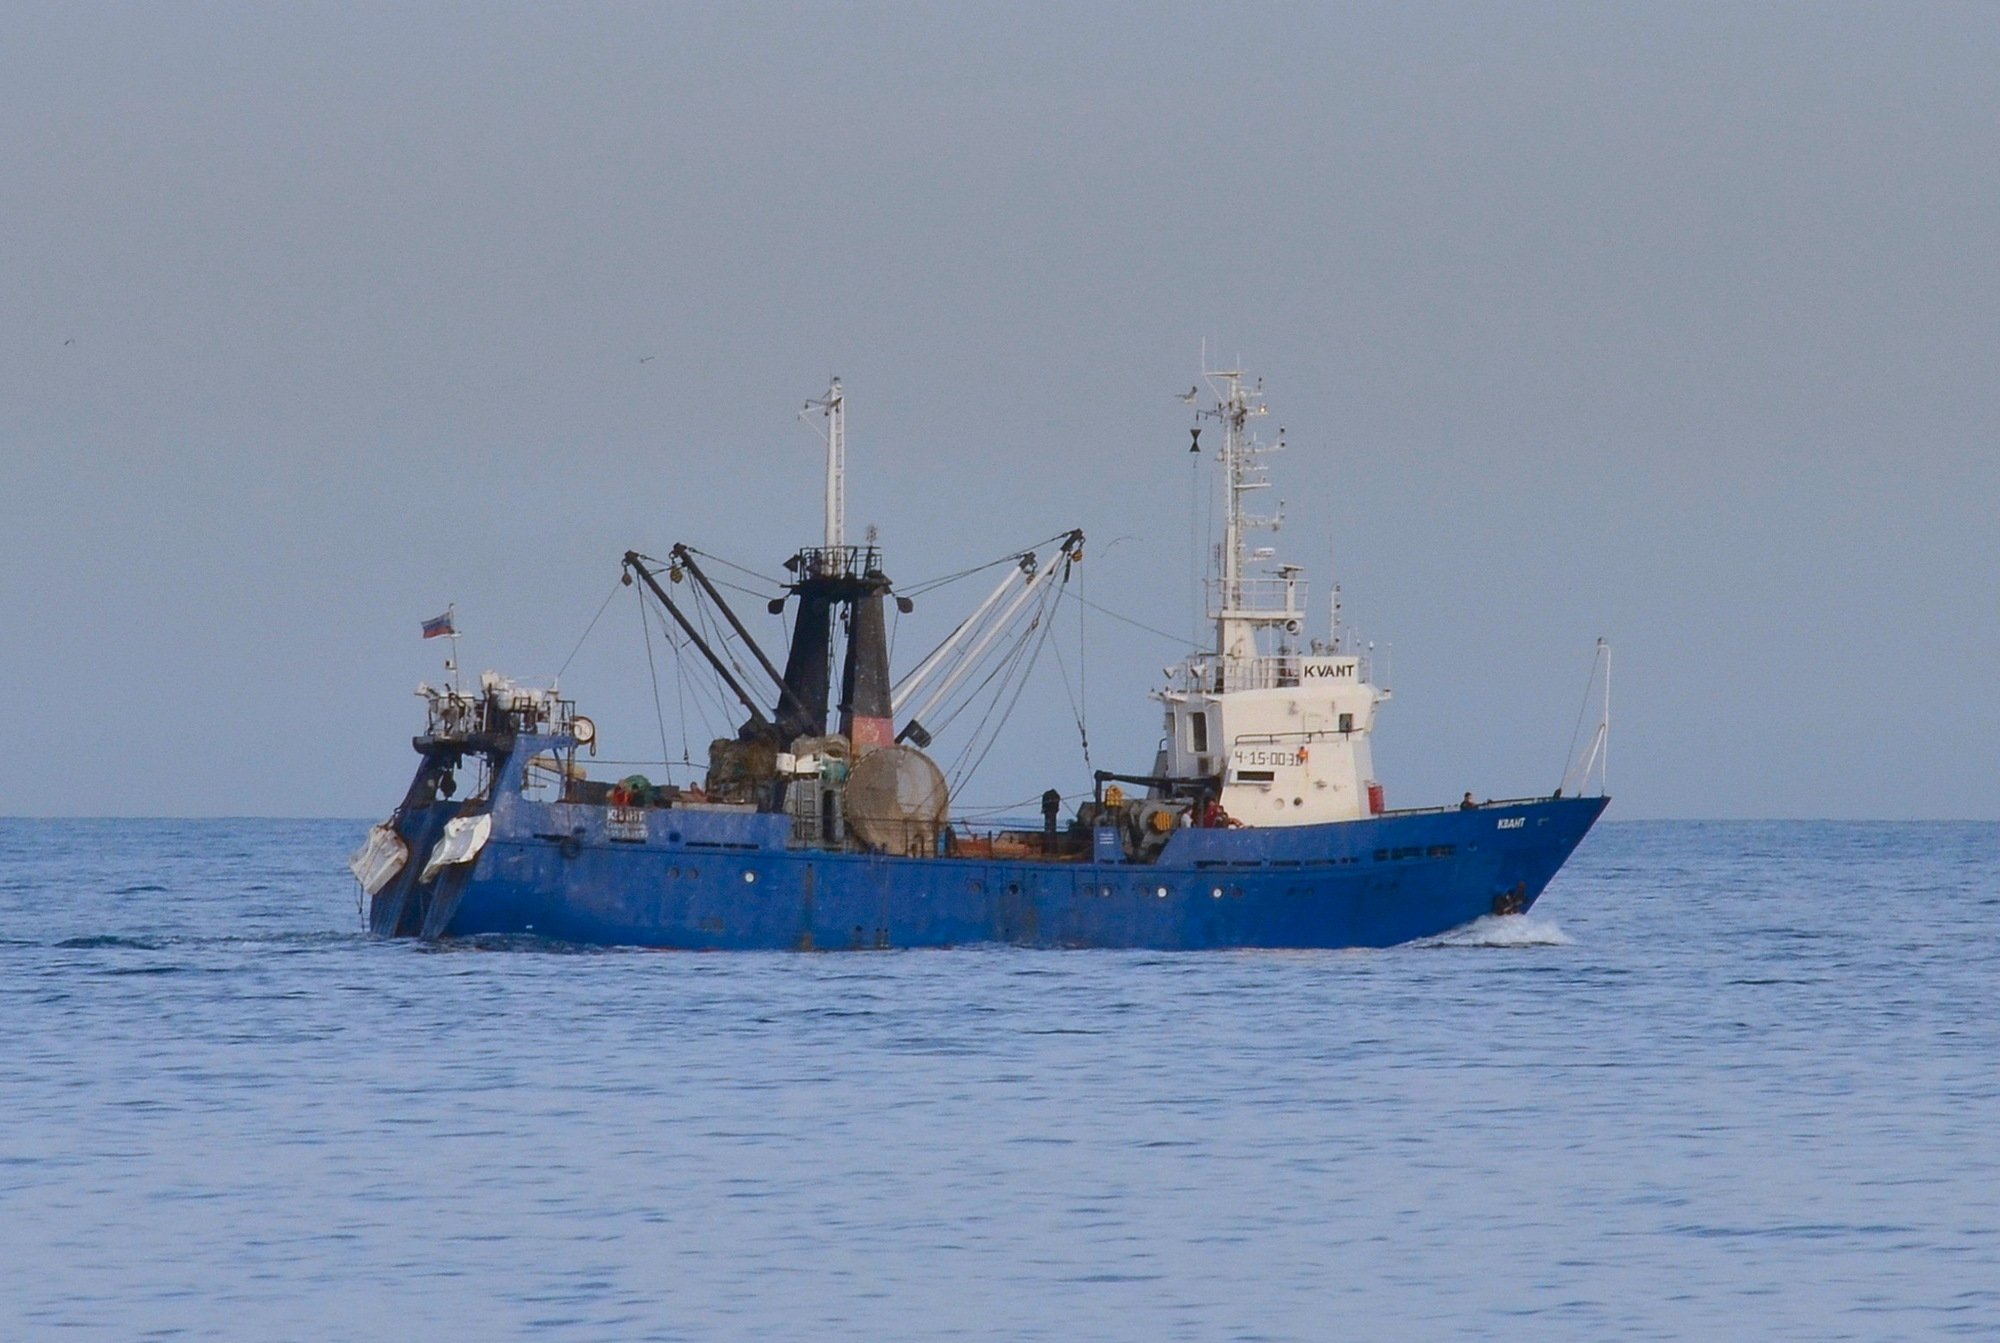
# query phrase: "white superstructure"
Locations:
[[1284, 725]]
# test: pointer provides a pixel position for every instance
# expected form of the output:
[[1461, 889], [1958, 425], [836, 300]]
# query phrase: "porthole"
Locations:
[[1216, 893], [1161, 892], [749, 878]]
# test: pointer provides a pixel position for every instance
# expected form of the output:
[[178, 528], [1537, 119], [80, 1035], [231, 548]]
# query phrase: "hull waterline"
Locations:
[[703, 881]]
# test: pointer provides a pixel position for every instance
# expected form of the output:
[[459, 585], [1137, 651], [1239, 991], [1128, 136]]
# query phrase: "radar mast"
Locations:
[[834, 406], [1242, 606]]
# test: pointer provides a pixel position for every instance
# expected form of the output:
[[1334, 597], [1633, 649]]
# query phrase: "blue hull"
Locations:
[[731, 881]]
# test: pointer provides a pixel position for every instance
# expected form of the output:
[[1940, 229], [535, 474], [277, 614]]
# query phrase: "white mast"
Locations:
[[834, 406], [1238, 619], [1280, 732]]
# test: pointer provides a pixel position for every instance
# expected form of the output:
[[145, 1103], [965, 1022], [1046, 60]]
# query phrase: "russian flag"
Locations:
[[438, 626]]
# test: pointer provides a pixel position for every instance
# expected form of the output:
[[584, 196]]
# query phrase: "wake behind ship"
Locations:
[[823, 822]]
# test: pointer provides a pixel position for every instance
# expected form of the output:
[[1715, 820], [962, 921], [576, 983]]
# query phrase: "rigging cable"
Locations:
[[1047, 629], [1212, 553], [738, 587], [1002, 673], [765, 579], [659, 710], [719, 636], [959, 628], [588, 628], [1044, 618], [1082, 671], [1197, 543], [953, 634], [1011, 557], [710, 686], [1075, 712], [963, 699], [706, 685], [680, 709], [1581, 710], [1003, 809], [1177, 639]]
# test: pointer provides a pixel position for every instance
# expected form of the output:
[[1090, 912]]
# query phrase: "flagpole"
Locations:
[[451, 632]]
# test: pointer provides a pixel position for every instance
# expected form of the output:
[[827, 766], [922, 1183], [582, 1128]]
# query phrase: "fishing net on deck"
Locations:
[[896, 800]]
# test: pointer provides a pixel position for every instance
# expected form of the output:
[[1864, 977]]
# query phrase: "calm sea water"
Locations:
[[1728, 1080]]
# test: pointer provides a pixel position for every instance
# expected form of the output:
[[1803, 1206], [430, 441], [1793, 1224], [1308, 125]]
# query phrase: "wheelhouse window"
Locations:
[[1198, 732]]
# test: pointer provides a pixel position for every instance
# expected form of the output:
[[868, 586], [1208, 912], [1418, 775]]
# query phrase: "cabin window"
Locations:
[[1347, 722], [541, 779], [1198, 732]]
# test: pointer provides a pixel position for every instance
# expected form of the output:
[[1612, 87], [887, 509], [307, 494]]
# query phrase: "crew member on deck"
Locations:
[[1468, 804]]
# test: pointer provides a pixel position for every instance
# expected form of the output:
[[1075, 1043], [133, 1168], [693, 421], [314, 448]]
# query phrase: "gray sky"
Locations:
[[1675, 324]]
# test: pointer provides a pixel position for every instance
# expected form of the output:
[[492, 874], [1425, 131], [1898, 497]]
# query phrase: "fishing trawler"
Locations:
[[823, 822]]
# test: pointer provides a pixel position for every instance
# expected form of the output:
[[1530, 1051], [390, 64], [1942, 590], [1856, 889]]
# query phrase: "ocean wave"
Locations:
[[1503, 930]]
